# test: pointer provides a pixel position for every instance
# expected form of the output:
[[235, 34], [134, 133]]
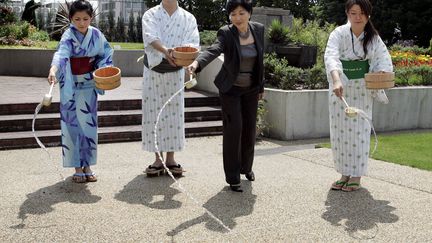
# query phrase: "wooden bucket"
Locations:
[[185, 55], [379, 80], [107, 78]]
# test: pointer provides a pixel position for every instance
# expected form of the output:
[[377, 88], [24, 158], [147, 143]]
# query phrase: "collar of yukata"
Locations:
[[76, 31], [162, 7]]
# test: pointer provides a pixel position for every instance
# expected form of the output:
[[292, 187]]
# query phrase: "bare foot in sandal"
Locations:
[[352, 185], [79, 176], [339, 184], [89, 174]]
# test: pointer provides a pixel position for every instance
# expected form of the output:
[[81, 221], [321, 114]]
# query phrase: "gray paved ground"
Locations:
[[290, 200]]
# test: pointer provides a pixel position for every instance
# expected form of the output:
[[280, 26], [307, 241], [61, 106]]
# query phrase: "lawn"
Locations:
[[53, 45], [411, 149]]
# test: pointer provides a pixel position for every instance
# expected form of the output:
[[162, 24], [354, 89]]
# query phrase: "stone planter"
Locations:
[[302, 56]]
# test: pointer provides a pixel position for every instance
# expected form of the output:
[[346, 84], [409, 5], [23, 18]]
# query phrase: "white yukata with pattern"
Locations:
[[179, 29], [350, 137]]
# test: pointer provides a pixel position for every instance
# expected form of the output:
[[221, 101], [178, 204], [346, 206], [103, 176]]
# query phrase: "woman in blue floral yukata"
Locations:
[[82, 49]]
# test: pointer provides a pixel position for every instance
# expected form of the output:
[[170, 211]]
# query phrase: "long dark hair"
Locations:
[[80, 5], [370, 31]]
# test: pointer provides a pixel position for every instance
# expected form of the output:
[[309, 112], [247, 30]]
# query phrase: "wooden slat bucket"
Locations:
[[107, 78], [185, 55], [379, 80]]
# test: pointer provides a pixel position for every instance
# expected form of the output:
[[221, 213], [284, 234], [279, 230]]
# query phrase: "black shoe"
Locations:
[[236, 188], [250, 176]]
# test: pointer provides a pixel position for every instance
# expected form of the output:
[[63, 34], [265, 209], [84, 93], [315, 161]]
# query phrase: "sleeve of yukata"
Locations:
[[381, 59], [192, 37], [63, 53], [61, 60], [105, 52], [150, 29], [332, 54], [150, 32]]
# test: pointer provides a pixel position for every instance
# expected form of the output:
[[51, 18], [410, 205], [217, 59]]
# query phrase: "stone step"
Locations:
[[50, 121], [50, 138], [103, 105]]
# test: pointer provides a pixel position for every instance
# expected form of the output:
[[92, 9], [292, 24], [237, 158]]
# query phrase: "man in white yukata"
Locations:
[[353, 46], [164, 27]]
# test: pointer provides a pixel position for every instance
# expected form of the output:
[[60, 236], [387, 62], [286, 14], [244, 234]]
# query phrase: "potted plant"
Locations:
[[297, 44], [278, 35]]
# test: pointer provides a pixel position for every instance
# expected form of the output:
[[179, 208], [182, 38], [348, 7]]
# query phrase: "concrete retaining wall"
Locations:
[[304, 114], [36, 62], [206, 77]]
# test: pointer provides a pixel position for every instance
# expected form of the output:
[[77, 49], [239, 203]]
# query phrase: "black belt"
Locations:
[[163, 67]]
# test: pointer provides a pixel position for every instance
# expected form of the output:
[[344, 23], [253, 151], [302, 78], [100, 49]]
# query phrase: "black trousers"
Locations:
[[239, 111]]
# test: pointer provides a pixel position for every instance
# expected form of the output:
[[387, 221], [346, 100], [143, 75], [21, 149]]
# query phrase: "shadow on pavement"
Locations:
[[146, 191], [226, 206], [360, 211], [42, 201]]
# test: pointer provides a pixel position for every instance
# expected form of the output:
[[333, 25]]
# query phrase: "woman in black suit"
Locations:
[[241, 85]]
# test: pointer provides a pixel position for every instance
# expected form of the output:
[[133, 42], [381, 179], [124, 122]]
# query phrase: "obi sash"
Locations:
[[81, 65], [163, 67], [355, 69]]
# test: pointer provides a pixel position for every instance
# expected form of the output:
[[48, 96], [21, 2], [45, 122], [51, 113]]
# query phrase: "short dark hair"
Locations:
[[79, 6], [233, 4]]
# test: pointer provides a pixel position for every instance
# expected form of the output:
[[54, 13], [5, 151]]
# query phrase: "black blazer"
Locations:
[[228, 43]]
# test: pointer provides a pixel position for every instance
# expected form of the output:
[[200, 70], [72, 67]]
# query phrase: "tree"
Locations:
[[120, 29], [139, 28], [131, 28], [111, 23], [103, 25]]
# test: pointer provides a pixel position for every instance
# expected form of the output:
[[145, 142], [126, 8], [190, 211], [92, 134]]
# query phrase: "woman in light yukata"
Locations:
[[358, 46], [82, 49]]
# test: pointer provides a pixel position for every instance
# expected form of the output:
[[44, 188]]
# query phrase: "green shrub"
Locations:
[[208, 37], [16, 31], [39, 36], [415, 49], [6, 15], [430, 46], [415, 75], [278, 33], [278, 74], [425, 73], [316, 78], [402, 76], [311, 33]]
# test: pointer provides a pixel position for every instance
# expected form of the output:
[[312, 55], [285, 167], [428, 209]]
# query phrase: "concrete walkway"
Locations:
[[290, 200]]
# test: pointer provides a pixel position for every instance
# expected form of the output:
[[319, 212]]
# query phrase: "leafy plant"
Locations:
[[280, 75], [430, 46], [413, 75], [6, 15], [278, 33], [311, 33], [261, 124], [16, 31], [62, 21], [207, 37]]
